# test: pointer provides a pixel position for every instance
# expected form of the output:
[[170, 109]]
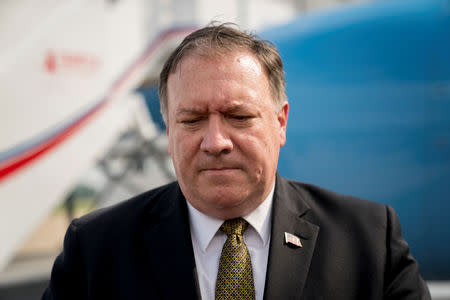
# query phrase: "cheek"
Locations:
[[263, 139], [185, 148], [254, 148], [261, 148]]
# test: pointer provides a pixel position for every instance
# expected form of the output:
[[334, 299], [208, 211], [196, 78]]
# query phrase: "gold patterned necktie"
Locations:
[[235, 276]]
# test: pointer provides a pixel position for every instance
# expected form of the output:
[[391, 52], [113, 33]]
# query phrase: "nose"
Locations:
[[215, 139]]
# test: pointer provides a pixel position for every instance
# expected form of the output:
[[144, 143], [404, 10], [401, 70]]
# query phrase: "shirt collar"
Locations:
[[204, 227], [260, 218]]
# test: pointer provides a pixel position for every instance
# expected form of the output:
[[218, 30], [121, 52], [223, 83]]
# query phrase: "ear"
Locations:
[[282, 117]]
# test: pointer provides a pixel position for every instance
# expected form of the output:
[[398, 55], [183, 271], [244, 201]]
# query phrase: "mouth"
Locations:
[[219, 170]]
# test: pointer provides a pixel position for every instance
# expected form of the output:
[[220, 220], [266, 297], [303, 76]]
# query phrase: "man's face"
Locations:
[[224, 132]]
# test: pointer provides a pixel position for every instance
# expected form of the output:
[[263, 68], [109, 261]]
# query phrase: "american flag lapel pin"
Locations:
[[292, 240]]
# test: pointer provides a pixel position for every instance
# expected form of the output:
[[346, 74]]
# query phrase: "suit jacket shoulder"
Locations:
[[351, 248], [128, 251], [122, 216], [326, 206]]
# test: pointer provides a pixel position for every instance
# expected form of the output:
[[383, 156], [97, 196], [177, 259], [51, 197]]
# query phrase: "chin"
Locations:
[[224, 198], [225, 179]]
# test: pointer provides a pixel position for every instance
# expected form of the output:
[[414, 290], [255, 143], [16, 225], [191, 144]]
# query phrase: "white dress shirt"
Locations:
[[208, 240]]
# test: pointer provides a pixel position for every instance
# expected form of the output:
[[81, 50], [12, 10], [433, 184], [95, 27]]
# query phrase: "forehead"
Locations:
[[229, 63], [235, 66], [227, 79]]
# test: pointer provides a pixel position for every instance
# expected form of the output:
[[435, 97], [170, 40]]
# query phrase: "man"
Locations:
[[231, 228]]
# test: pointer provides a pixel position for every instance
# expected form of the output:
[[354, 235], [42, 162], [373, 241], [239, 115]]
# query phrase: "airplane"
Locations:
[[369, 93], [66, 96], [368, 86]]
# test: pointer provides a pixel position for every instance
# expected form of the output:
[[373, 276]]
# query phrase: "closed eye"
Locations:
[[239, 117], [190, 121], [241, 120]]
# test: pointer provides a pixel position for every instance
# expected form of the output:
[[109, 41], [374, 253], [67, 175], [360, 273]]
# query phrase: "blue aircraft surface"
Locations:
[[369, 94]]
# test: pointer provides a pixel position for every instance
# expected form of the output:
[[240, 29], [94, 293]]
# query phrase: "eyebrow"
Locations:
[[236, 108], [194, 111], [190, 111]]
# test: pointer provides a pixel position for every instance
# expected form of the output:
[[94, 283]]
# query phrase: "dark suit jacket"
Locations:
[[141, 249]]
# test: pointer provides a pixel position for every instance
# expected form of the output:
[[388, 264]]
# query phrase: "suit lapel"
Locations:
[[288, 267], [167, 242]]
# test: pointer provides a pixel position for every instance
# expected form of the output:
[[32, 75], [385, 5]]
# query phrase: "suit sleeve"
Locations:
[[402, 278], [68, 279]]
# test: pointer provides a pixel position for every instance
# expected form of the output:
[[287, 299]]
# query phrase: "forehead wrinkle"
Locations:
[[234, 106], [186, 67], [186, 110]]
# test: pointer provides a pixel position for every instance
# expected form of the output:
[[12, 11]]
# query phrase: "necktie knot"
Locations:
[[235, 226]]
